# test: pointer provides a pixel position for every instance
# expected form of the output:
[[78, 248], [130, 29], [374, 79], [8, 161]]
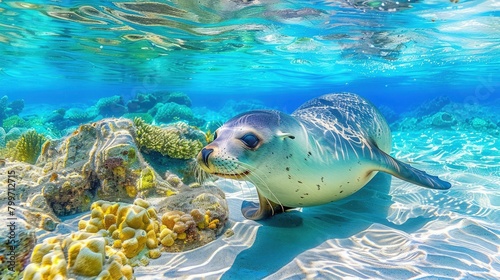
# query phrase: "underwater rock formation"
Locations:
[[142, 103], [432, 106], [444, 114], [175, 97], [98, 161], [443, 120], [8, 109]]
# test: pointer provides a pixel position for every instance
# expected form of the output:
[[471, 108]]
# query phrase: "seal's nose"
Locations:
[[204, 155]]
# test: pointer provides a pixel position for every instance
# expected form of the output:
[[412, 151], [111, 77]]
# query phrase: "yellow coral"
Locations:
[[128, 272], [213, 224], [146, 180], [127, 233], [142, 203], [28, 147], [130, 247], [154, 254], [50, 265], [116, 235], [119, 172], [88, 263], [131, 190], [171, 141]]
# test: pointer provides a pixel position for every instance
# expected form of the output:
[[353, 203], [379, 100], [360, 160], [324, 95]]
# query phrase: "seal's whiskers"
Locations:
[[261, 180]]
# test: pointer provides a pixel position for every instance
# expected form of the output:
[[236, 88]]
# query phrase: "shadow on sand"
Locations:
[[283, 237]]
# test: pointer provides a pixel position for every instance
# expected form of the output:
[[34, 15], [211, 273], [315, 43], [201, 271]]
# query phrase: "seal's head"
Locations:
[[245, 145]]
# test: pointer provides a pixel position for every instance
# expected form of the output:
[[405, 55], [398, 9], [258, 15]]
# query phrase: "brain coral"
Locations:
[[176, 141]]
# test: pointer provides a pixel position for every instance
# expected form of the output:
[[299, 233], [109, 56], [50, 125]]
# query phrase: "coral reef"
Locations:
[[171, 112], [98, 161], [78, 255], [8, 109], [14, 121], [175, 97], [101, 161], [449, 115], [118, 236], [78, 115], [2, 137], [111, 106], [147, 118], [432, 106], [142, 103], [13, 134], [443, 120], [27, 148], [176, 141], [55, 116]]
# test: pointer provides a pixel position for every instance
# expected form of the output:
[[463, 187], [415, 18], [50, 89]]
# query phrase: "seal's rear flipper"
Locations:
[[262, 210], [405, 172]]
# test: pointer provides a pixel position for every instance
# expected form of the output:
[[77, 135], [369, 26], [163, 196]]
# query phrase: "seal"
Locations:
[[326, 150]]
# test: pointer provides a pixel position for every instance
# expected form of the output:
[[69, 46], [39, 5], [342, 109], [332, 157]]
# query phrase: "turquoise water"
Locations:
[[431, 67], [250, 47]]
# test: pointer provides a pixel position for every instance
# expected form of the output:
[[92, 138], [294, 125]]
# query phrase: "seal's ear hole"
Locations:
[[286, 135]]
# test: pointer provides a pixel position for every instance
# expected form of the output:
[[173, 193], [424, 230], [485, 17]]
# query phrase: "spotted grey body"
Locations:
[[326, 150]]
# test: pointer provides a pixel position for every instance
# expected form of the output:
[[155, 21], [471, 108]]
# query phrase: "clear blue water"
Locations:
[[75, 50], [278, 54]]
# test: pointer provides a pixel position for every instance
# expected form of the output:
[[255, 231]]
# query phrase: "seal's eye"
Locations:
[[250, 140], [215, 136]]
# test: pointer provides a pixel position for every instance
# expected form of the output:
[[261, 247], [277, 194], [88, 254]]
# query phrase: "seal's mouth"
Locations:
[[233, 176]]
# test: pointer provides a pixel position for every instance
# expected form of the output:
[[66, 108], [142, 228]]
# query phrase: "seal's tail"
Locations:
[[405, 172]]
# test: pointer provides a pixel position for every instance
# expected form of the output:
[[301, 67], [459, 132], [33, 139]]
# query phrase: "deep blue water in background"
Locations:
[[281, 53]]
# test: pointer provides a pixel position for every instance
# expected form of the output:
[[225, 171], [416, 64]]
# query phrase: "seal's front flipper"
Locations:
[[405, 172], [262, 210]]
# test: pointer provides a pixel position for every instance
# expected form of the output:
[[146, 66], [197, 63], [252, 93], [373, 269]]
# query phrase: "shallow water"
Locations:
[[388, 230], [430, 66]]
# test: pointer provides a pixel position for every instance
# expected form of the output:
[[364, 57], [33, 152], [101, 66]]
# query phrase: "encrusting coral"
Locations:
[[176, 141]]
